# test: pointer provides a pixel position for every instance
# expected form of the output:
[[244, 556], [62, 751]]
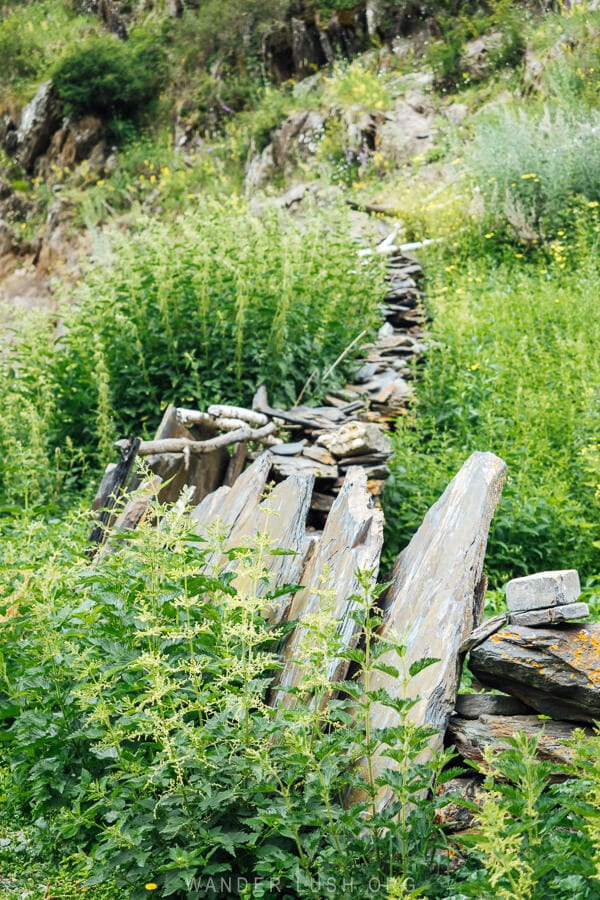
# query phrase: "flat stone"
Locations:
[[555, 615], [356, 439], [285, 466], [288, 449], [472, 706], [555, 670], [319, 454], [544, 589]]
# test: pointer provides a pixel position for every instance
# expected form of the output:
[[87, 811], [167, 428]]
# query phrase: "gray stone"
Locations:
[[544, 589], [555, 615], [352, 540], [472, 706], [436, 599], [405, 134], [41, 117], [356, 439], [555, 670]]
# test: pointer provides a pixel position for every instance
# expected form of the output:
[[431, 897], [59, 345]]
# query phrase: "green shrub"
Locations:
[[197, 311], [108, 78], [529, 167], [137, 733]]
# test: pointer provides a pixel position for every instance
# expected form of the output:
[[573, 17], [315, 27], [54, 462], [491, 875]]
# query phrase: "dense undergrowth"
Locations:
[[200, 310], [139, 749]]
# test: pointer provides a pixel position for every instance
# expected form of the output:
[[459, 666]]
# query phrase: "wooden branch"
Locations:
[[179, 445], [189, 417], [252, 417]]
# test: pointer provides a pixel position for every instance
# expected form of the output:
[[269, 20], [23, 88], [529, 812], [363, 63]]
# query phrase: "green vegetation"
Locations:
[[138, 751], [138, 746], [196, 311], [117, 81], [514, 369]]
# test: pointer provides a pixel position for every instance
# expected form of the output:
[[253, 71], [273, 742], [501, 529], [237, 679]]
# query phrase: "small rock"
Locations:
[[542, 590], [555, 615], [356, 439], [319, 454], [365, 373], [286, 466], [288, 449]]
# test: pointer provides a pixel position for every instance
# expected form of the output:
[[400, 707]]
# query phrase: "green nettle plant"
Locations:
[[195, 311], [138, 733]]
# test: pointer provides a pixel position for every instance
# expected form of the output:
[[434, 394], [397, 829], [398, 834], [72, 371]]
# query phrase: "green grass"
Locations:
[[514, 369]]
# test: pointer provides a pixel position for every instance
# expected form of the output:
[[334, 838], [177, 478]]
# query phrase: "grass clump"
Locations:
[[513, 369], [31, 37], [530, 167]]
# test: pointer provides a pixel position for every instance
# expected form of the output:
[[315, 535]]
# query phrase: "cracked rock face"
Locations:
[[41, 117]]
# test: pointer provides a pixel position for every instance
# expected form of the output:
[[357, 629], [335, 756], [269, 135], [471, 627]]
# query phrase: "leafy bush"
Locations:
[[138, 733], [109, 78], [530, 167], [196, 311]]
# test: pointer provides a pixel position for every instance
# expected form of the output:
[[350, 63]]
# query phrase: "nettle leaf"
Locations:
[[420, 664], [392, 671]]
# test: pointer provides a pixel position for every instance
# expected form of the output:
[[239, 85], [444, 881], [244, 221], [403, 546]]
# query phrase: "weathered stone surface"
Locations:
[[295, 141], [483, 631], [352, 539], [40, 119], [233, 505], [405, 134], [556, 670], [435, 600], [472, 706], [356, 439], [472, 736], [281, 516], [542, 590], [556, 615], [301, 465]]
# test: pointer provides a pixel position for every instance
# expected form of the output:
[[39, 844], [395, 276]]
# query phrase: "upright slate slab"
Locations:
[[281, 516], [435, 600], [352, 540]]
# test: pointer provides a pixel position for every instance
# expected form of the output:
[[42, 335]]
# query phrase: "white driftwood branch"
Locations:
[[237, 412], [193, 417], [225, 424], [181, 445]]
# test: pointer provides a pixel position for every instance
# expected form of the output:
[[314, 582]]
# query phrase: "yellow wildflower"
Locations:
[[151, 886]]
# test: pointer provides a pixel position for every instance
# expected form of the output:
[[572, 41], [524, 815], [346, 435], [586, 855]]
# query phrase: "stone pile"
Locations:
[[537, 671]]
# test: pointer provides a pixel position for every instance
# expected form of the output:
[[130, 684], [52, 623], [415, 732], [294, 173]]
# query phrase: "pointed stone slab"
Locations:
[[352, 540], [230, 506], [556, 670], [434, 602], [281, 516]]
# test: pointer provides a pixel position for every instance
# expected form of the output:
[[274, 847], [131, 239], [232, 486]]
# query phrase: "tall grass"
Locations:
[[194, 311], [514, 368]]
